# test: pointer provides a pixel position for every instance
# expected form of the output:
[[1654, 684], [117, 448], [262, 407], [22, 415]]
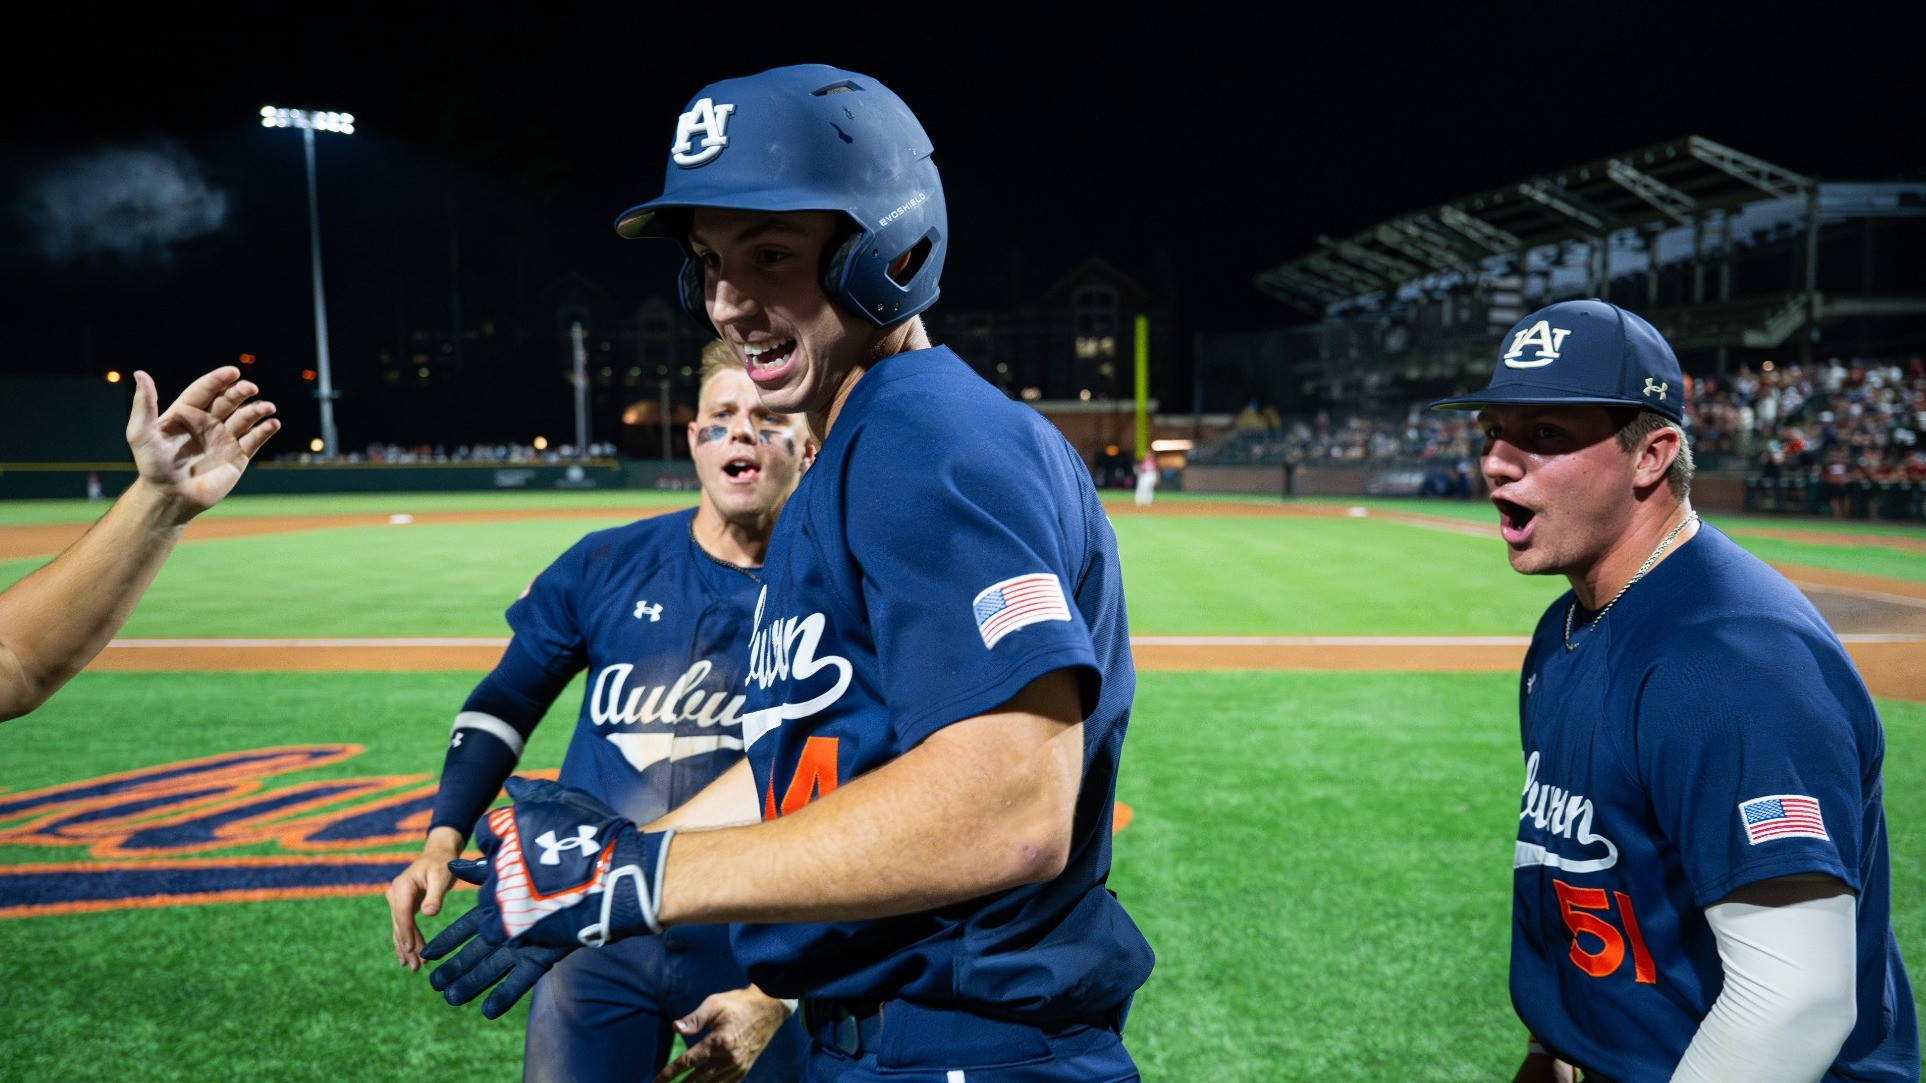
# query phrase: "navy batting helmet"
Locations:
[[811, 138]]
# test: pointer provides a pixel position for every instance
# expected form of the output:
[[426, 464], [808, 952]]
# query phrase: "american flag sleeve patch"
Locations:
[[1004, 607], [1782, 816]]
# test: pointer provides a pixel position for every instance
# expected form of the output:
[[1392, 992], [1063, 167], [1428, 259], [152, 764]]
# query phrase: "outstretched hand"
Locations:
[[195, 452]]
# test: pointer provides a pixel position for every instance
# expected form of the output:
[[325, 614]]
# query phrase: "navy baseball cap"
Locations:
[[1583, 352]]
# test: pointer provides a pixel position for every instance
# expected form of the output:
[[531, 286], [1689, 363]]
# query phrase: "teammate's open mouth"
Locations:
[[741, 469], [1513, 519]]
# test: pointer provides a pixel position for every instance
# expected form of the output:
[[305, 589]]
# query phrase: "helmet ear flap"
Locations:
[[689, 286], [835, 270]]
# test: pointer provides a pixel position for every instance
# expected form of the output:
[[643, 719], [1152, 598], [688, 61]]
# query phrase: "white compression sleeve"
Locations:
[[1788, 1002]]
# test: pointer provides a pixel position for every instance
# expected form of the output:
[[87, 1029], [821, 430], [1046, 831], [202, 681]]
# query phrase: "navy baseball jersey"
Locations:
[[663, 631], [946, 549], [1709, 732]]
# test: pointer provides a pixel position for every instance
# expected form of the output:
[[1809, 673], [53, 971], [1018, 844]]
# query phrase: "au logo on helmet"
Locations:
[[707, 119], [1549, 340]]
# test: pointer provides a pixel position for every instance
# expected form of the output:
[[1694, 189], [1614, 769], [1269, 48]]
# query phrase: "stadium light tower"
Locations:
[[309, 121]]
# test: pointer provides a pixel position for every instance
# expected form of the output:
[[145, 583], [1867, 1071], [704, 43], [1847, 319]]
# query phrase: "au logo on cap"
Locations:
[[1549, 340], [711, 122]]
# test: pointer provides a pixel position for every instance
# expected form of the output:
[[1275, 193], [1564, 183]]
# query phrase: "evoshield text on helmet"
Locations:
[[811, 138]]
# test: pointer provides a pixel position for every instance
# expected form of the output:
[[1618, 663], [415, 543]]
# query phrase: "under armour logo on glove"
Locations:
[[552, 847], [574, 892], [525, 918]]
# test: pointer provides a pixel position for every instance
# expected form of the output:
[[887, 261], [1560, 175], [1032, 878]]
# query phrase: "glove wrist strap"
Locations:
[[640, 880]]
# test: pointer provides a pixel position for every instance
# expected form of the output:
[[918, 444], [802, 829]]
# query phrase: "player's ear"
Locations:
[[1655, 452]]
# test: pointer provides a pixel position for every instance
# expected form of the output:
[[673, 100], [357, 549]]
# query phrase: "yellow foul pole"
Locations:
[[1143, 385]]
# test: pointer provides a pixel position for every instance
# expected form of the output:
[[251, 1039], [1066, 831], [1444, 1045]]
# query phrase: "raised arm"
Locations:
[[54, 621]]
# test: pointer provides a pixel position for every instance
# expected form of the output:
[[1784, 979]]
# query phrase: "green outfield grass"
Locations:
[[30, 512], [1311, 858], [1183, 575], [1320, 859]]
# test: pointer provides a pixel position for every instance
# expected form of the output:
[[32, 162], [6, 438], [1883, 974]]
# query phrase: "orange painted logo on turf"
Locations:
[[165, 835], [156, 835]]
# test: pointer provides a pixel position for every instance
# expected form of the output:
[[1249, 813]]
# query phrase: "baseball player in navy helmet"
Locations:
[[658, 613], [939, 677], [1701, 889]]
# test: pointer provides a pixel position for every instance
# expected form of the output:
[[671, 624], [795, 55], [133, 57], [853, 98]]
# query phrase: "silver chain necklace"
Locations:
[[1572, 611]]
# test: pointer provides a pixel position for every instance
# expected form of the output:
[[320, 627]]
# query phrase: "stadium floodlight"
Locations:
[[310, 121]]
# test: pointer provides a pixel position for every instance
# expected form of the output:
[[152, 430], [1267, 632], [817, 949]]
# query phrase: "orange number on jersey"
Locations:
[[1611, 949], [1641, 958], [815, 776], [1611, 946]]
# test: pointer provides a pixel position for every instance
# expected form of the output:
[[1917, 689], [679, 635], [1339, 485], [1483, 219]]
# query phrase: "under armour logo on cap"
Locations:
[[1654, 389], [552, 847]]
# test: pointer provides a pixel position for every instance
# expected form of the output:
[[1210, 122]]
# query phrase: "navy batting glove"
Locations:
[[479, 965], [563, 870]]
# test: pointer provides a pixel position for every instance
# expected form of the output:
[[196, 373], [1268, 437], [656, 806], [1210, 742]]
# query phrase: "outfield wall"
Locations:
[[69, 480], [1720, 493]]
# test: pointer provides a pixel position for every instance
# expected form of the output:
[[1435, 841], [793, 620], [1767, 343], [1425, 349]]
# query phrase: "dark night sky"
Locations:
[[1192, 148]]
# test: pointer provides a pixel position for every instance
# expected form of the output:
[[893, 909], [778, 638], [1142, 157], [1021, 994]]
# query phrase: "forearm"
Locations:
[[1788, 1001], [982, 806], [54, 621], [729, 801]]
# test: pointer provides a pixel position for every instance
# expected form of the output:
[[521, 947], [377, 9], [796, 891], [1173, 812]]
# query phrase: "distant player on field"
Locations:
[[940, 676], [658, 613], [54, 621], [1701, 890]]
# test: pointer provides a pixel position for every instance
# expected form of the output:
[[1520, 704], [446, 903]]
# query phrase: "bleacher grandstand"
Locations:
[[1797, 306]]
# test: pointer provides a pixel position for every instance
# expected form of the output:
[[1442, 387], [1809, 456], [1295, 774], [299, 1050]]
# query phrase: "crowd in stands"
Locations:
[[441, 454], [1837, 421], [1842, 420]]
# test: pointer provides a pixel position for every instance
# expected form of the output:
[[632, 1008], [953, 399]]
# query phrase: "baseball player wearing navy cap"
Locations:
[[939, 678], [1701, 889], [658, 614]]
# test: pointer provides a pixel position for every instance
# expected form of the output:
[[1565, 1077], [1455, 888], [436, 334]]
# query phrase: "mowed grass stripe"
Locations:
[[414, 580], [243, 506], [1366, 576], [1183, 576]]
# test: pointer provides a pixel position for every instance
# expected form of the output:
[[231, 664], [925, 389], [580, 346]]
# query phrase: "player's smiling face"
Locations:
[[1562, 486], [763, 292], [747, 456]]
